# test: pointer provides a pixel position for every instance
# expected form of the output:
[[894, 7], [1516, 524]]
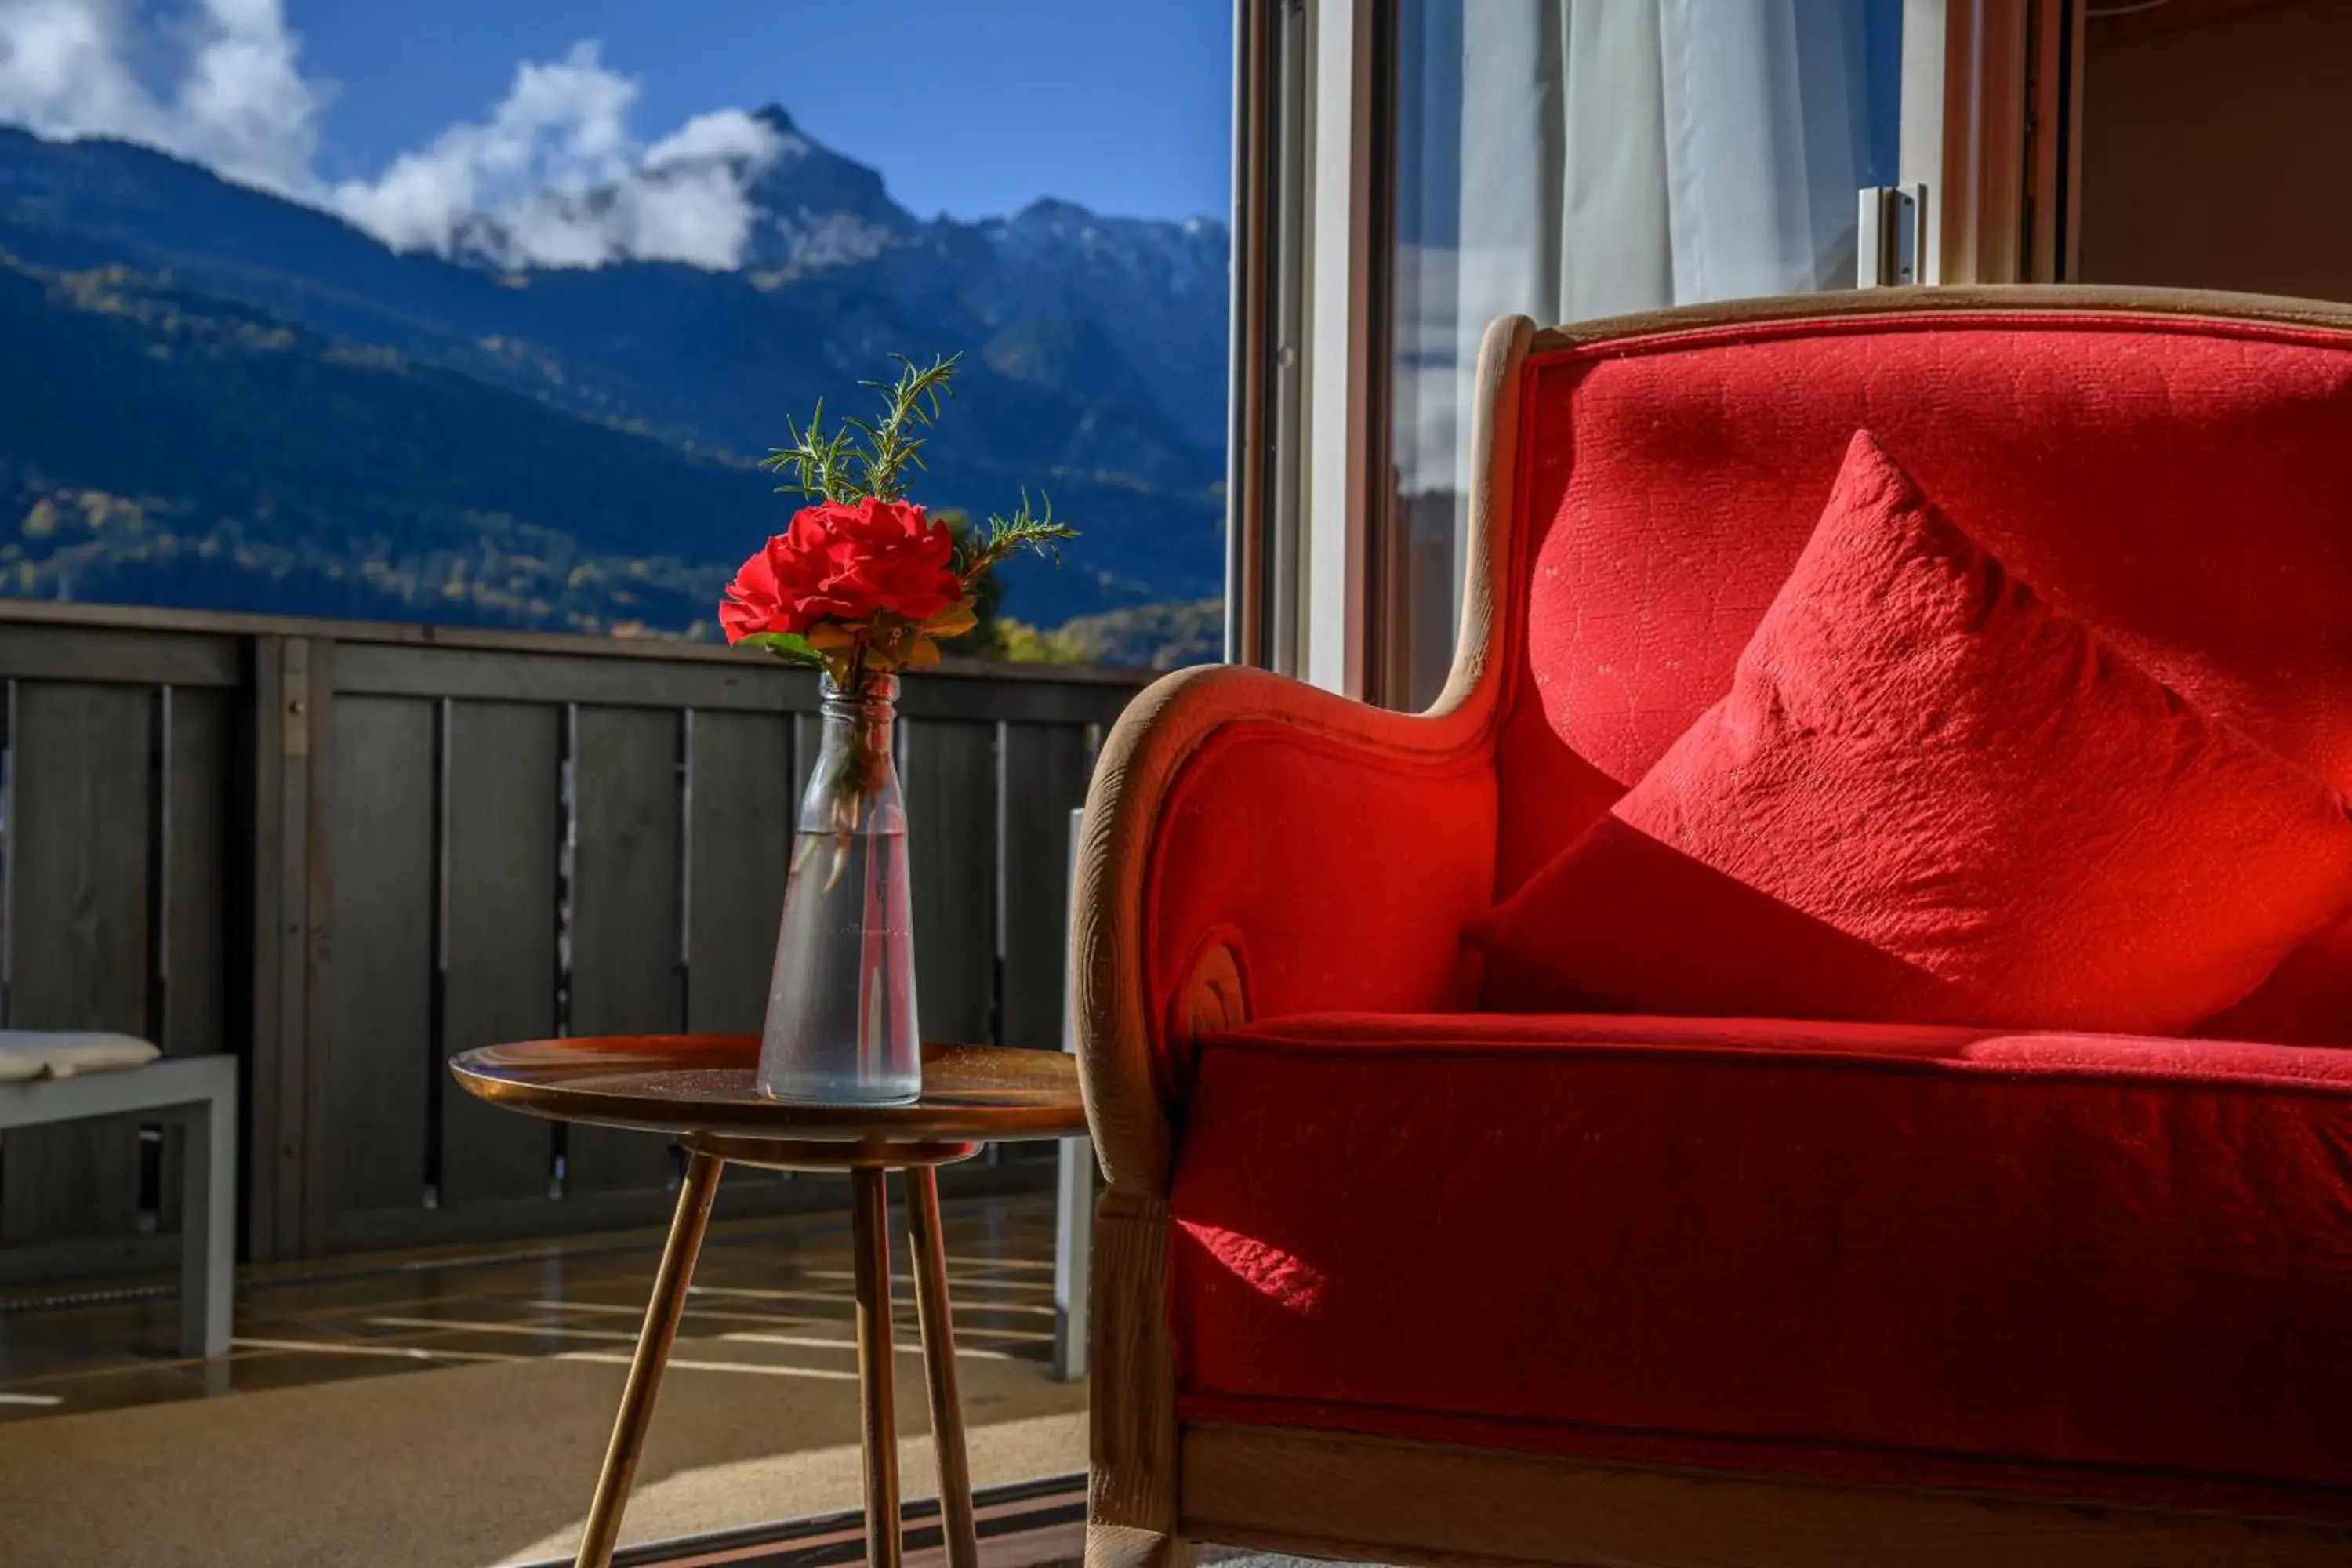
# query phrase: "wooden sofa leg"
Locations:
[[1131, 1503], [1116, 1546]]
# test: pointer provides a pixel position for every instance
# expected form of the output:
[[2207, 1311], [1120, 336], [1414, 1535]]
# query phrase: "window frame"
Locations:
[[1317, 568]]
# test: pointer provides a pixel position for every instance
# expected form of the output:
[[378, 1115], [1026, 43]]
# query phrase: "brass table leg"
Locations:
[[870, 1234], [931, 1311], [662, 1313]]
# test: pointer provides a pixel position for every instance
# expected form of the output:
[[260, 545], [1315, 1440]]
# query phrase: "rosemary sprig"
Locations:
[[1024, 529], [859, 460], [866, 459]]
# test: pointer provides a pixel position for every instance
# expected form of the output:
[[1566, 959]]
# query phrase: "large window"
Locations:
[[324, 319], [482, 314], [1569, 161]]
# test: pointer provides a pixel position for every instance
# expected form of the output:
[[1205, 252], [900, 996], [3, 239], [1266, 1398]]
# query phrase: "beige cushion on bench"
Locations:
[[33, 1052]]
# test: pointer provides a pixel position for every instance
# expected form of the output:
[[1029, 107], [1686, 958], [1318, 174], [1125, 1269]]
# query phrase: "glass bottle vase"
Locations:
[[840, 1027]]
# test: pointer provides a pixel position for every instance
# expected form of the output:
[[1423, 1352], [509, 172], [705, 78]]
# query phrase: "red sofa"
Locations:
[[1382, 1274]]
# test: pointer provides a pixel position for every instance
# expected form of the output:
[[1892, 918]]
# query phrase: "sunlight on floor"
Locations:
[[824, 1479], [454, 1410]]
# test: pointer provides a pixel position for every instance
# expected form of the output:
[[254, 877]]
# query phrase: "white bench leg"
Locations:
[[208, 1227]]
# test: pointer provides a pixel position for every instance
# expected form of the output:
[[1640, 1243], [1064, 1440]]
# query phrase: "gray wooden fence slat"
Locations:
[[808, 740], [746, 684], [505, 816], [128, 655], [79, 830], [949, 771], [378, 1051], [305, 965], [197, 908], [1024, 699], [277, 775], [196, 905], [1046, 767], [741, 830], [749, 685], [624, 914]]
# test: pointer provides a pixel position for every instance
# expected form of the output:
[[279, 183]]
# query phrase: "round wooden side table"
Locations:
[[698, 1089]]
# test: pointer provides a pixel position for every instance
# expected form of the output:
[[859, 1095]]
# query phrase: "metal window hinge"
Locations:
[[1892, 236]]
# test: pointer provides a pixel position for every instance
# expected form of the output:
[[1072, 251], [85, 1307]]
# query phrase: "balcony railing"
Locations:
[[342, 851]]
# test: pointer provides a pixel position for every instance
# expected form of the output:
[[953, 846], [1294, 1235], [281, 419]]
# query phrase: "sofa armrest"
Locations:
[[1255, 846]]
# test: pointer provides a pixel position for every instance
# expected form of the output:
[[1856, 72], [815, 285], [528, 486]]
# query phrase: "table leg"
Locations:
[[208, 1224], [870, 1236], [931, 1311], [662, 1313]]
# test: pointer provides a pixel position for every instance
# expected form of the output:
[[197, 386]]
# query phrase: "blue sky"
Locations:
[[971, 107]]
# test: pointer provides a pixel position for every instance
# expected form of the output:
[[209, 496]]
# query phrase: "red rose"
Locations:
[[840, 561]]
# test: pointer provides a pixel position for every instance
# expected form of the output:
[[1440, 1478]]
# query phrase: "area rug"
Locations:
[[1029, 1524], [484, 1464]]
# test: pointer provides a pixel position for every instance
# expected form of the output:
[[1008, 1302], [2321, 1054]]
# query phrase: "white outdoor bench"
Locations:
[[197, 1093]]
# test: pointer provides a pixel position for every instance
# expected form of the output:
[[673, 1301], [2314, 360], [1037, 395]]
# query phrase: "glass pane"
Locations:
[[1567, 161], [482, 314], [456, 314]]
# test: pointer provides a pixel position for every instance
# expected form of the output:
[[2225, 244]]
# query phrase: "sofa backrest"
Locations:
[[2180, 481]]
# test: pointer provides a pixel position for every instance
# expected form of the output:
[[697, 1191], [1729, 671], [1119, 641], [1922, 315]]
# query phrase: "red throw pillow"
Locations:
[[1930, 798]]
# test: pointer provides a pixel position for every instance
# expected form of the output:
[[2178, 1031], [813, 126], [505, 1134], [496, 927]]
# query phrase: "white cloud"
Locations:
[[562, 127], [237, 103], [59, 72], [553, 177], [696, 213], [245, 106], [728, 133]]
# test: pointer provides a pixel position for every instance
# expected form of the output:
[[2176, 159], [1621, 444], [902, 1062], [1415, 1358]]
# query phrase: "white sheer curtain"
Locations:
[[1624, 154], [1609, 155]]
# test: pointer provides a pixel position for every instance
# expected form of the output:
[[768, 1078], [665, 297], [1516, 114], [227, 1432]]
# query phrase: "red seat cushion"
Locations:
[[1928, 796], [2065, 1262]]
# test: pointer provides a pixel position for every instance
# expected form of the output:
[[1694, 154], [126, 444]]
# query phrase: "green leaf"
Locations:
[[791, 648], [863, 458], [1024, 529]]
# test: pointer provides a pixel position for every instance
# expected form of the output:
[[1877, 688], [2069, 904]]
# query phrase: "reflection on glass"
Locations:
[[1566, 160]]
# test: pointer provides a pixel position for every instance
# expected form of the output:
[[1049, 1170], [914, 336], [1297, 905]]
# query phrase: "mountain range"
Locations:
[[213, 398]]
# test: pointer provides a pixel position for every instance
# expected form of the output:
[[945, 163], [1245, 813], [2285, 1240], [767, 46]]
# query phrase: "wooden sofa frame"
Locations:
[[1161, 1486]]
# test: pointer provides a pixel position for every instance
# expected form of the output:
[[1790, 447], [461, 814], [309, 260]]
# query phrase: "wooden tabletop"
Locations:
[[688, 1084]]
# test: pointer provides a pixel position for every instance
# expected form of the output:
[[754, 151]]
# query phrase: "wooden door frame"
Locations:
[[1992, 130]]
